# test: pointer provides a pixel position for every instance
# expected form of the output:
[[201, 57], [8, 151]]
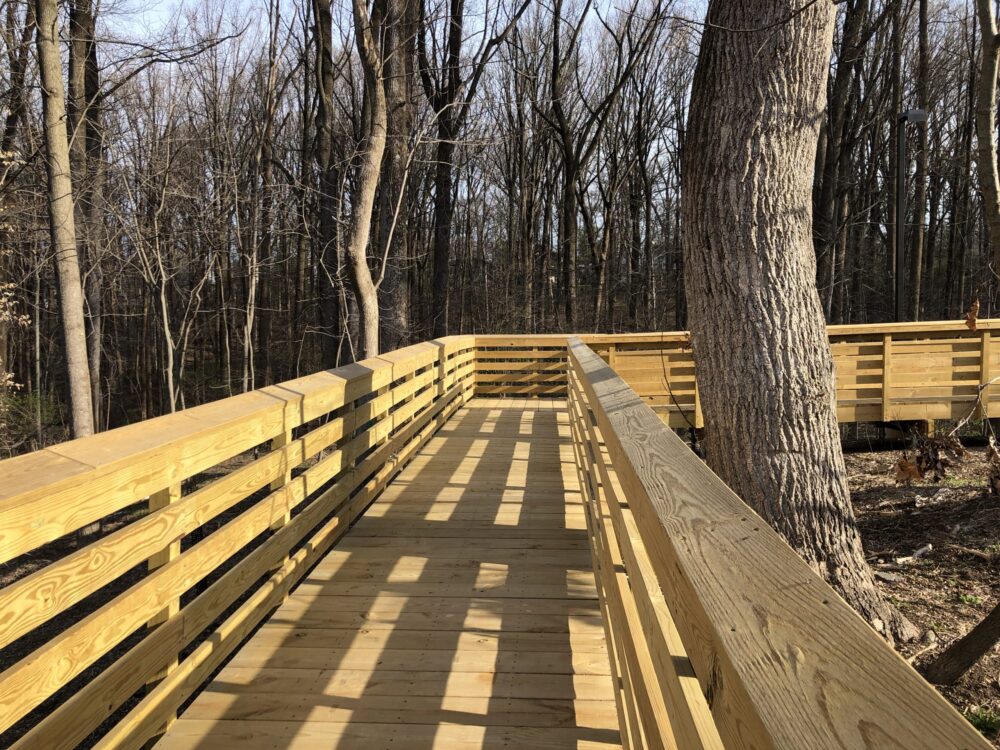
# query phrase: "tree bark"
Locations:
[[443, 214], [394, 203], [765, 370], [62, 227], [331, 313], [962, 655], [834, 153], [920, 178], [986, 117], [366, 184]]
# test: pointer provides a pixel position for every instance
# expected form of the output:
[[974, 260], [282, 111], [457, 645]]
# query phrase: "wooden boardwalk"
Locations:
[[460, 611]]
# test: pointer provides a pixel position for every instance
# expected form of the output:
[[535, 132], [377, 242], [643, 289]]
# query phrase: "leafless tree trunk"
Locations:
[[986, 135], [765, 370], [394, 208], [920, 178], [329, 181], [62, 227], [375, 123]]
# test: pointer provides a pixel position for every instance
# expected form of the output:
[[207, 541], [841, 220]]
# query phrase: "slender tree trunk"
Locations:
[[394, 209], [920, 179], [765, 370], [986, 136], [443, 216], [62, 227], [363, 193], [833, 157], [331, 311], [568, 236]]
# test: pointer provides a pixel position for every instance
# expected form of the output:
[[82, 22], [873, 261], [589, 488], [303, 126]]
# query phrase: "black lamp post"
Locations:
[[910, 115]]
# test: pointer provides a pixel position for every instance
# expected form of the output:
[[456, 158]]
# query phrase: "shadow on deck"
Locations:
[[460, 610]]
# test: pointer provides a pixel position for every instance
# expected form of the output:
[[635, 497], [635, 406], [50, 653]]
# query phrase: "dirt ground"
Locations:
[[947, 590]]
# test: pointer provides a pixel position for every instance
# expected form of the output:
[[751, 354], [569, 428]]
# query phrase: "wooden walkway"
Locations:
[[460, 611]]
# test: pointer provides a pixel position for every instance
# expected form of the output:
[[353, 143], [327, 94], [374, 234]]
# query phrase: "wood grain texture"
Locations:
[[407, 624], [782, 660]]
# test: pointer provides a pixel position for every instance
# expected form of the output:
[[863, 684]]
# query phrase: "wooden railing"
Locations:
[[298, 462], [209, 516], [722, 636], [891, 372]]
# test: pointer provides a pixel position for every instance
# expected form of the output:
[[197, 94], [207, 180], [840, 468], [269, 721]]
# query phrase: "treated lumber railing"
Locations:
[[211, 515], [888, 372], [201, 568], [722, 636]]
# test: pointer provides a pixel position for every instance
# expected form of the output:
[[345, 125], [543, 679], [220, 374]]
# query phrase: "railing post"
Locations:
[[158, 500], [886, 377], [984, 375], [279, 443]]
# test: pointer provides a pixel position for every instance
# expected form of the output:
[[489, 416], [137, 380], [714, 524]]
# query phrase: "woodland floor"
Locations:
[[949, 589]]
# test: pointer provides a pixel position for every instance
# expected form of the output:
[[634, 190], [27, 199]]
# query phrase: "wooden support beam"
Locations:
[[887, 377], [985, 373], [158, 500]]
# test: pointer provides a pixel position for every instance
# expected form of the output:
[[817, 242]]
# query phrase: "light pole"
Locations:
[[910, 115]]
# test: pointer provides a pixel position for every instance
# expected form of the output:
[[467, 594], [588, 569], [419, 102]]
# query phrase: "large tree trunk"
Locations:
[[62, 227], [765, 370], [363, 193], [986, 117]]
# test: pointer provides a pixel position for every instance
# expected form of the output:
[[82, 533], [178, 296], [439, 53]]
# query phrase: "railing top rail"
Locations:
[[783, 660], [835, 331], [69, 485]]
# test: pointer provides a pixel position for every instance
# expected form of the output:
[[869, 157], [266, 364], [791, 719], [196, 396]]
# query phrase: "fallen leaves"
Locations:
[[932, 455], [972, 314], [993, 467], [907, 471]]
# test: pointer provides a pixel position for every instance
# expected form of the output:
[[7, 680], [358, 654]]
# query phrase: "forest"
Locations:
[[530, 181], [647, 341]]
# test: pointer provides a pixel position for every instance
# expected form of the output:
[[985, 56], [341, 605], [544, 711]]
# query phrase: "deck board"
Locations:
[[460, 611]]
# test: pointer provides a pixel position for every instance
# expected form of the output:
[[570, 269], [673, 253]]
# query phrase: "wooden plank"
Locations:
[[267, 735], [88, 640], [985, 356], [690, 717], [427, 628], [378, 682], [157, 500], [727, 574], [887, 378]]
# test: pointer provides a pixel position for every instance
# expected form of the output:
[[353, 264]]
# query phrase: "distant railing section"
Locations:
[[885, 372], [719, 634], [189, 572]]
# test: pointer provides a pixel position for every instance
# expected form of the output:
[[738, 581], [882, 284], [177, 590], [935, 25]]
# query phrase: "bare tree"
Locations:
[[765, 370], [374, 124], [61, 220], [450, 92], [986, 118]]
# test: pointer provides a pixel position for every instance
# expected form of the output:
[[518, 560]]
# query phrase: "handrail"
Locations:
[[294, 464], [330, 442], [781, 659]]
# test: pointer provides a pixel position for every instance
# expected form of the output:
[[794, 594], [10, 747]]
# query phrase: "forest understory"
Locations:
[[949, 588]]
